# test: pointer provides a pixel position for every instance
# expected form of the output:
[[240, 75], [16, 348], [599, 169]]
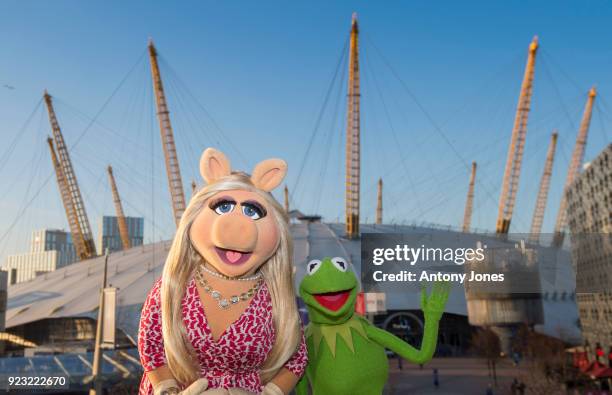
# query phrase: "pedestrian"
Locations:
[[436, 380], [521, 388], [516, 358], [489, 389], [514, 386]]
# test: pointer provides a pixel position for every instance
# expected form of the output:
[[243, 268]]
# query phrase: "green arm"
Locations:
[[302, 386], [403, 349], [433, 308]]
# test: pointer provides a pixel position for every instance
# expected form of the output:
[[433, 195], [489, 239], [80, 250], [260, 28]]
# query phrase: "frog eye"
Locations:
[[313, 266], [340, 263]]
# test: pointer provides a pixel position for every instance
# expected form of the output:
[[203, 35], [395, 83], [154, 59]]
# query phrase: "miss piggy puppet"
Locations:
[[222, 319]]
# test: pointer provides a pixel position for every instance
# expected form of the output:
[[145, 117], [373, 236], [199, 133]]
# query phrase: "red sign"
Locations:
[[360, 304]]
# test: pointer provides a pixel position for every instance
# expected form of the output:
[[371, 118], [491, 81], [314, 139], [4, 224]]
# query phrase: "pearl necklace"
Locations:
[[226, 303], [255, 276]]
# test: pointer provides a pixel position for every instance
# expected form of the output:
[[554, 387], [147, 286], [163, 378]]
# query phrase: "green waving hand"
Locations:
[[433, 306]]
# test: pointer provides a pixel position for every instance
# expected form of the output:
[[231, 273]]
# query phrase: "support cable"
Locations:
[[293, 191], [431, 120], [80, 137]]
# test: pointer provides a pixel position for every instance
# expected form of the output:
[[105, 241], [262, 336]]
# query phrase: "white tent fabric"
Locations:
[[74, 290]]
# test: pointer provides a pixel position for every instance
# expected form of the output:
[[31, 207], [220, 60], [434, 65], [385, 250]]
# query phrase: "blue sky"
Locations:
[[261, 71]]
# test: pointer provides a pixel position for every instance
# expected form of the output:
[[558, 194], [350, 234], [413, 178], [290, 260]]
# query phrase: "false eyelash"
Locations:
[[257, 205], [217, 202]]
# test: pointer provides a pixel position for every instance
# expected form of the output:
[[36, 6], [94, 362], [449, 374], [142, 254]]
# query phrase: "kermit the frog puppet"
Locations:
[[346, 352]]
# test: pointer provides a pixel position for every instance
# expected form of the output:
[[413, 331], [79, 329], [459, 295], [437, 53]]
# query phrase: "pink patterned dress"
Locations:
[[231, 361]]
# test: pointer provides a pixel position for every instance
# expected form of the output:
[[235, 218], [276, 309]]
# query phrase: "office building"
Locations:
[[50, 249], [589, 213], [109, 236]]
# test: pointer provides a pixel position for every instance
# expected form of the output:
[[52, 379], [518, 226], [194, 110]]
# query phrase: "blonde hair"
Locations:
[[179, 268]]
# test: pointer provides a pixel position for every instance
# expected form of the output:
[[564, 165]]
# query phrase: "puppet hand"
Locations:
[[196, 388], [239, 391], [170, 386], [216, 391], [272, 389], [433, 306]]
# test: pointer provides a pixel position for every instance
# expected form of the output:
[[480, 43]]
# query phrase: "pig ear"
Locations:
[[268, 174], [214, 165]]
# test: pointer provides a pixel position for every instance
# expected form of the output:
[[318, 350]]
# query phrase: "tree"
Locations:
[[546, 370], [485, 343]]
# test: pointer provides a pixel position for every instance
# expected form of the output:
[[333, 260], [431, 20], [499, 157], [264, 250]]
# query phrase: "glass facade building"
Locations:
[[109, 237]]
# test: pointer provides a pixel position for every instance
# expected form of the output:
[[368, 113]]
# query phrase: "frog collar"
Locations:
[[330, 333]]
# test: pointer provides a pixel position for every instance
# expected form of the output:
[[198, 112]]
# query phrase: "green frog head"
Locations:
[[329, 290]]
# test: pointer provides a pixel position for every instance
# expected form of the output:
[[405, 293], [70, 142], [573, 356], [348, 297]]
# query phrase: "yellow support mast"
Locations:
[[469, 204], [515, 153], [379, 203], [286, 192], [73, 223], [121, 221], [353, 161], [575, 165], [78, 221], [175, 182], [540, 208]]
